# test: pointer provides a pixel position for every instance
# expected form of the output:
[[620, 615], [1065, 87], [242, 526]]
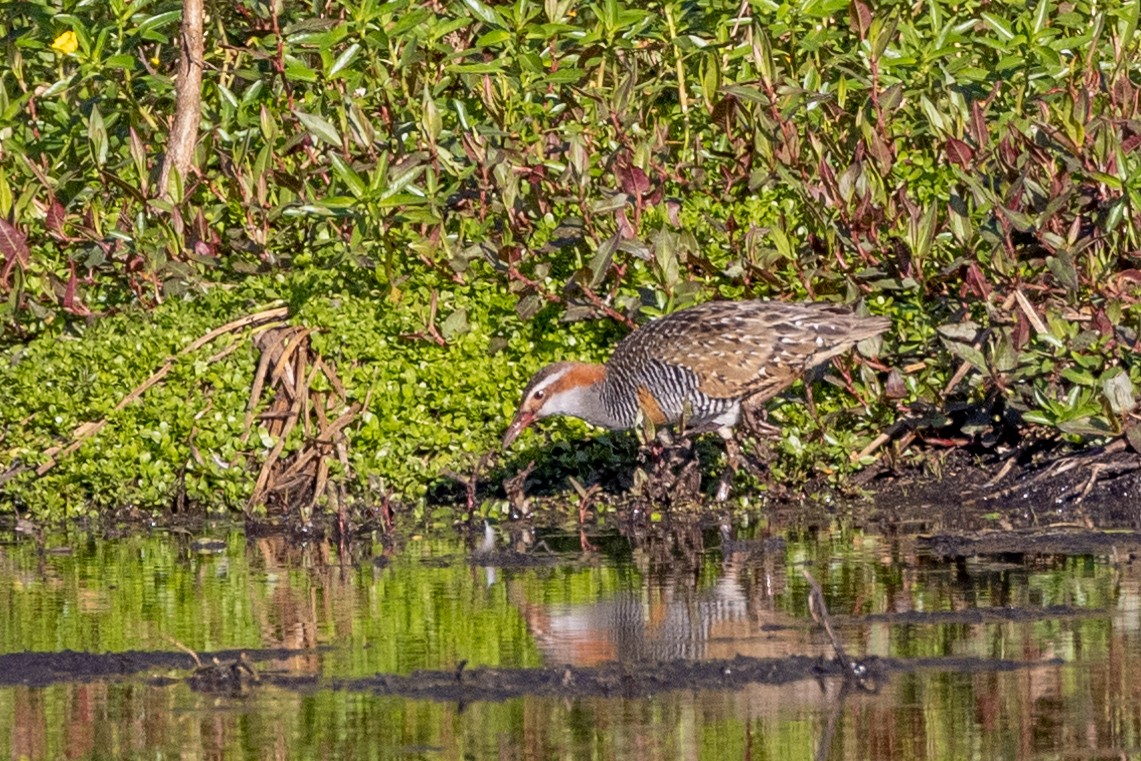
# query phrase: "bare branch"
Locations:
[[188, 96]]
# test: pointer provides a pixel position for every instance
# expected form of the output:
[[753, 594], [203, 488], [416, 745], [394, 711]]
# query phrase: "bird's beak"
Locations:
[[521, 421]]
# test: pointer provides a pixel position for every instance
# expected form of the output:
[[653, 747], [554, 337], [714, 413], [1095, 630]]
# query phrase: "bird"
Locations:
[[706, 367]]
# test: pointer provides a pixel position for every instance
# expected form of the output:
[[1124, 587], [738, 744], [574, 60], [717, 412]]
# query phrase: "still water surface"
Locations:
[[637, 598]]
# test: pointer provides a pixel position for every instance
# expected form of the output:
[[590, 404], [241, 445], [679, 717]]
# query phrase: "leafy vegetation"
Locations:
[[971, 172]]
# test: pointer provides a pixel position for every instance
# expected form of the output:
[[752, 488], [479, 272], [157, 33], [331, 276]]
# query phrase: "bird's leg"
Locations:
[[810, 402], [810, 379], [678, 460], [689, 476], [752, 420], [650, 439], [733, 455], [655, 445]]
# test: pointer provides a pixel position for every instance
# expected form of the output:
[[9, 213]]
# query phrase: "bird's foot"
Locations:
[[753, 420]]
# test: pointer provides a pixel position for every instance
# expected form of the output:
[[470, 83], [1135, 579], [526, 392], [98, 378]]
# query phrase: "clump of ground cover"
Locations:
[[971, 173], [431, 407]]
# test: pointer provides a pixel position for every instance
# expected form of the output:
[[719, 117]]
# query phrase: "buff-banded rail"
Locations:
[[706, 365]]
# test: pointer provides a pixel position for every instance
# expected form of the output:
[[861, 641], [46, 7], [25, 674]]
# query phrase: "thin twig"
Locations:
[[855, 672], [819, 611], [185, 649]]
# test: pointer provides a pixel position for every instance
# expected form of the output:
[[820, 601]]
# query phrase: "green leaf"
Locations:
[[824, 8], [344, 60], [297, 71], [965, 331], [565, 75], [493, 38], [158, 21], [455, 324], [1079, 376], [489, 67], [319, 127], [1062, 267], [1000, 26], [348, 176], [97, 134], [1127, 25], [969, 354], [430, 119], [1084, 426], [1041, 16], [484, 13]]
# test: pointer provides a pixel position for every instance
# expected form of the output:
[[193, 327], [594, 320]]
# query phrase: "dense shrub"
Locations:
[[971, 172]]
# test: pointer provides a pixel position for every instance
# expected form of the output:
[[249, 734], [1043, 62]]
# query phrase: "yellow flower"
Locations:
[[66, 43]]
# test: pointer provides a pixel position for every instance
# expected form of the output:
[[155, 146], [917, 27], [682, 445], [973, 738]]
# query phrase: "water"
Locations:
[[1070, 624]]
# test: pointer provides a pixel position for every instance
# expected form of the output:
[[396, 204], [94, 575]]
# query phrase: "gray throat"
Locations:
[[597, 404]]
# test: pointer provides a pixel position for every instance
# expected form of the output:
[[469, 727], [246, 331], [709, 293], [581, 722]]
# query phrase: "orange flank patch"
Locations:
[[650, 407]]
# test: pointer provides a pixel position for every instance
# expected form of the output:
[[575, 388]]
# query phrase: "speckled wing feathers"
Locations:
[[741, 349]]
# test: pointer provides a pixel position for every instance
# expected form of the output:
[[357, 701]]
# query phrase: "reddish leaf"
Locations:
[[1133, 436], [959, 153], [70, 303], [204, 250], [976, 281], [828, 189], [625, 229], [860, 18], [880, 150], [913, 210], [1101, 323], [1008, 151], [978, 125], [14, 244], [55, 216], [1021, 335], [895, 388], [631, 179]]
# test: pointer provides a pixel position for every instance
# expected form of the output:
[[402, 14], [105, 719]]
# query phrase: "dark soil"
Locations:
[[41, 669], [466, 685], [1058, 495]]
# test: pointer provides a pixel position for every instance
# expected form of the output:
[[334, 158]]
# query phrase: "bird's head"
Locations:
[[564, 388]]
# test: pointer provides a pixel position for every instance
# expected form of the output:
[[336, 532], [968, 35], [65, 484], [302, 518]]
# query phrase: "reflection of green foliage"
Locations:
[[133, 594], [428, 608]]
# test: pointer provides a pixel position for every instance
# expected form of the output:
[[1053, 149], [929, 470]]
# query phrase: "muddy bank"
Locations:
[[1091, 489], [955, 492], [40, 669], [472, 684]]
